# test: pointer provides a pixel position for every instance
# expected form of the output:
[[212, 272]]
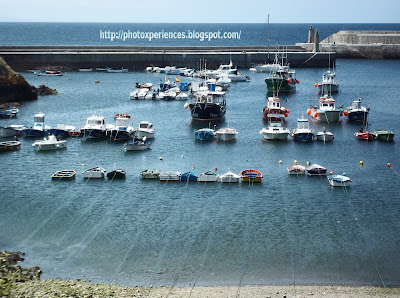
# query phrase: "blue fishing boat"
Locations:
[[303, 131], [357, 112], [189, 176], [39, 129], [203, 134], [95, 127]]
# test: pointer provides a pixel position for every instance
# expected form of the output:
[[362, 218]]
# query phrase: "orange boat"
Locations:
[[365, 135], [251, 175]]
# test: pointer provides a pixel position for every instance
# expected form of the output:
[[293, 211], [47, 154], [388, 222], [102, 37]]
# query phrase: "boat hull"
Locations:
[[359, 116], [119, 135], [328, 116], [137, 146], [303, 136], [283, 85], [324, 137], [10, 146], [339, 181], [384, 136], [94, 133], [34, 133], [59, 132], [51, 147], [328, 88], [207, 112], [170, 176]]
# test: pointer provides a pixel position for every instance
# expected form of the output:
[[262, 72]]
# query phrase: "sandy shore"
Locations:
[[60, 288]]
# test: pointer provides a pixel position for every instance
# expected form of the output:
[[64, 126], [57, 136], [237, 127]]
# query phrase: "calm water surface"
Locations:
[[287, 230]]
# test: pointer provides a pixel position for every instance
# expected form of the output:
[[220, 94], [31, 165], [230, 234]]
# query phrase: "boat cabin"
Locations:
[[39, 118], [122, 121]]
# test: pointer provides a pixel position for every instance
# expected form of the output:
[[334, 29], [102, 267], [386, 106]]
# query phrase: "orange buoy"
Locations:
[[297, 82], [345, 113], [316, 84], [287, 111], [316, 114], [389, 164], [286, 114], [308, 111]]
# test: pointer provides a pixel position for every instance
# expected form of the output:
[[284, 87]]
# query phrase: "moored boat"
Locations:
[[339, 180], [189, 176], [95, 127], [324, 135], [39, 129], [327, 111], [12, 130], [137, 145], [384, 135], [328, 83], [275, 131], [207, 106], [273, 111], [208, 176], [150, 174], [50, 143], [170, 176], [63, 175], [203, 134], [229, 177], [296, 169], [357, 112], [282, 80], [303, 131], [226, 134], [10, 145], [316, 170], [251, 175], [145, 129], [116, 174], [362, 134], [62, 130], [94, 173], [121, 131]]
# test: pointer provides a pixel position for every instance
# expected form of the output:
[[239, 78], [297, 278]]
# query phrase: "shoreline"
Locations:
[[55, 288]]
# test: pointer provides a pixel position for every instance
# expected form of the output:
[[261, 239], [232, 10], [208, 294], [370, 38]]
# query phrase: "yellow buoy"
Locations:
[[308, 163], [295, 162], [83, 165], [331, 173], [361, 162], [280, 161]]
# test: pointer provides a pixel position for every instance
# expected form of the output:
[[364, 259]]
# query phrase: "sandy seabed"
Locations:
[[60, 288]]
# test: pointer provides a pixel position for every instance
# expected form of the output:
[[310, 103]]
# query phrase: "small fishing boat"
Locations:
[[203, 134], [282, 80], [357, 112], [85, 69], [275, 131], [12, 130], [116, 174], [9, 113], [324, 135], [384, 135], [226, 134], [316, 170], [339, 180], [10, 145], [150, 174], [327, 110], [328, 83], [62, 130], [63, 175], [296, 169], [170, 176], [145, 129], [39, 129], [95, 127], [189, 176], [251, 175], [94, 173], [50, 143], [303, 131], [229, 177], [121, 131], [207, 105], [273, 111], [56, 73], [137, 145], [362, 134], [208, 176]]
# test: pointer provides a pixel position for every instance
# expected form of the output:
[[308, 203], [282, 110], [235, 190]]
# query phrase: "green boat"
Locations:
[[282, 80], [384, 135]]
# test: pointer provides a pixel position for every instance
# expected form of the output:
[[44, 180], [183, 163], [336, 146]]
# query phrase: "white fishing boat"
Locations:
[[50, 143], [85, 69], [170, 176], [339, 180], [95, 127], [94, 173], [324, 135], [229, 177], [145, 129], [39, 129], [121, 131], [150, 174], [328, 83], [226, 134], [275, 131], [357, 112], [208, 176], [62, 130], [303, 131], [327, 110]]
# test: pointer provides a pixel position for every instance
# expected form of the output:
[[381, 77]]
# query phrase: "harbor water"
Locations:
[[285, 230]]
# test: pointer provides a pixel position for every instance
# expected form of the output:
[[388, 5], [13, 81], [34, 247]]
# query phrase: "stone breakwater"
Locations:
[[72, 58]]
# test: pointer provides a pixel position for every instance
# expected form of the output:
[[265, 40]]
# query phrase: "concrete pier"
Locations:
[[23, 58]]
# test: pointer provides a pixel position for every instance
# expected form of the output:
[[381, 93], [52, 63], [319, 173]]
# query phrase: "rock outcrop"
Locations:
[[44, 90], [13, 86]]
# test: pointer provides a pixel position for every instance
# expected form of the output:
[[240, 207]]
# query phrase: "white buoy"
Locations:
[[160, 158]]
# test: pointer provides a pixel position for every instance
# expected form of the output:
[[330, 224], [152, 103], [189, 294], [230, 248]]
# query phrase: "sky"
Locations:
[[201, 11]]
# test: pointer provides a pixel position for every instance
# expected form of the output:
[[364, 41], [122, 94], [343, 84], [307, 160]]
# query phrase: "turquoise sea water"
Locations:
[[287, 230]]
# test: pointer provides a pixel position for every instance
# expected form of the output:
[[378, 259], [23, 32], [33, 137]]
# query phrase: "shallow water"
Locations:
[[285, 230]]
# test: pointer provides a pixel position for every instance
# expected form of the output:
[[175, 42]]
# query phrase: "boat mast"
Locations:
[[268, 36]]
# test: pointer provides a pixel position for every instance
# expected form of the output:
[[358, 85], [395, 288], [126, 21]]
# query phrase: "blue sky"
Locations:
[[201, 11]]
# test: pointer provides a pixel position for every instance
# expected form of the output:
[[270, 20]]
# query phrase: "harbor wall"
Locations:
[[24, 58], [361, 44]]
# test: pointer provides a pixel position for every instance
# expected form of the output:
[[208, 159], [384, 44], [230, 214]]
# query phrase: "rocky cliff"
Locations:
[[13, 86]]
